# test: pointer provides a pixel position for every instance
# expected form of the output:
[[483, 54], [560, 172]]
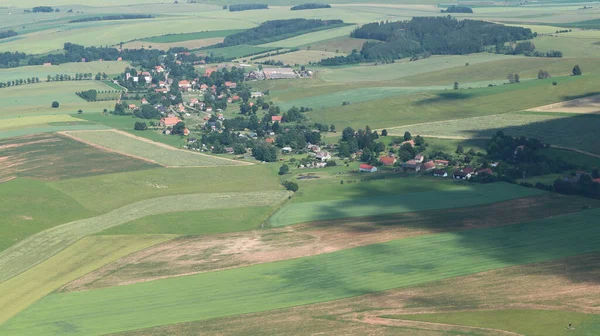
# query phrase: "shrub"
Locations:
[[140, 126], [291, 186], [55, 104]]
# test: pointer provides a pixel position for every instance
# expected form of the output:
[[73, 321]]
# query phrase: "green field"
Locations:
[[40, 71], [309, 38], [189, 36], [52, 157], [300, 57], [154, 152], [547, 322], [428, 200], [83, 257], [235, 51], [320, 278], [195, 222], [41, 246], [576, 158]]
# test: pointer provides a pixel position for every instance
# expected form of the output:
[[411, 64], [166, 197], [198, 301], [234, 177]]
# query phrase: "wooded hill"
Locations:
[[429, 35]]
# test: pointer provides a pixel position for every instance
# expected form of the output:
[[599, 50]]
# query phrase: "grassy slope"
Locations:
[[429, 200], [165, 156], [307, 280], [189, 36], [40, 71], [195, 222], [33, 206], [83, 257], [547, 322], [312, 37]]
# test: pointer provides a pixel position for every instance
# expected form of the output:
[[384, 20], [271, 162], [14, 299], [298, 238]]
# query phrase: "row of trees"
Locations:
[[457, 9], [113, 17], [310, 6], [17, 82], [243, 7], [7, 34]]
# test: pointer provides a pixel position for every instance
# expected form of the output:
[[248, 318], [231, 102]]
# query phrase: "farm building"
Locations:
[[144, 101], [387, 160], [159, 69], [484, 171], [269, 140], [419, 158], [367, 168], [256, 94], [185, 85], [169, 121], [193, 101], [461, 175], [276, 118], [441, 163], [231, 85], [279, 73], [411, 165], [132, 106], [440, 173], [323, 156], [429, 165]]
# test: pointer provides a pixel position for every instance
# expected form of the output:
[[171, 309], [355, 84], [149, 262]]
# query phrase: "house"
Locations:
[[144, 101], [468, 170], [169, 121], [323, 156], [209, 71], [136, 79], [429, 165], [367, 168], [181, 107], [162, 84], [229, 100], [229, 150], [132, 106], [47, 64], [203, 87], [235, 98], [209, 109], [596, 180], [193, 101], [159, 69], [461, 175], [419, 158], [440, 173], [231, 85], [276, 118], [256, 94], [484, 171], [411, 165], [186, 131], [220, 116], [387, 160], [185, 85], [286, 149], [148, 79], [120, 59], [411, 142], [269, 140]]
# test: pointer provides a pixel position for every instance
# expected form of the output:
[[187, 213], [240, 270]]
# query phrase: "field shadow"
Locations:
[[445, 97]]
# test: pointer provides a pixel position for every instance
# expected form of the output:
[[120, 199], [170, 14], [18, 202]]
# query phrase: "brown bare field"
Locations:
[[193, 255], [569, 284], [190, 44], [582, 105], [53, 157]]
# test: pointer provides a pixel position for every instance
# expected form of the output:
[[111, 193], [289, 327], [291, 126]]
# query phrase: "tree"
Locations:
[[284, 169], [178, 128], [291, 186], [543, 74], [577, 71], [55, 104], [459, 149], [407, 136], [455, 85], [140, 126], [511, 78], [517, 78], [80, 112], [332, 128], [384, 132], [555, 83], [419, 140]]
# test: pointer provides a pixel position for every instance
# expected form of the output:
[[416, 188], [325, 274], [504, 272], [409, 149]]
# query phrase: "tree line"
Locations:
[[243, 7], [274, 30], [113, 17], [310, 6], [17, 82], [42, 9], [428, 35], [457, 9], [7, 34]]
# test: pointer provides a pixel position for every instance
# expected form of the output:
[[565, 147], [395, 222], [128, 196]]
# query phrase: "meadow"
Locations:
[[79, 259], [189, 36], [111, 68], [235, 51], [309, 38], [419, 201], [161, 154], [300, 57], [44, 244], [320, 278]]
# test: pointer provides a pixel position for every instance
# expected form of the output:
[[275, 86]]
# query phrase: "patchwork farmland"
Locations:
[[434, 176]]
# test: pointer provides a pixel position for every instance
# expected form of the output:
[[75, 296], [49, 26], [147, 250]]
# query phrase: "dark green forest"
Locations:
[[310, 6], [243, 7]]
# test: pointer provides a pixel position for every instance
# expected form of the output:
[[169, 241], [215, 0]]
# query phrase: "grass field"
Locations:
[[189, 36], [307, 280], [428, 200], [49, 128], [36, 99], [40, 71], [309, 38], [550, 128], [83, 257], [191, 44], [573, 157], [26, 122], [154, 152], [41, 246], [34, 207], [547, 322], [235, 51], [52, 157], [196, 222], [301, 57]]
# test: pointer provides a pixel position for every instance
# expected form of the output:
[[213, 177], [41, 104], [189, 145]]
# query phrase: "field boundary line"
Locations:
[[106, 149], [576, 151]]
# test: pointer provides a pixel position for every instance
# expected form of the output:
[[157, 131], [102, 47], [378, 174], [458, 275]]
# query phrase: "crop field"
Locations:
[[547, 322], [309, 38], [326, 277], [25, 122], [301, 57], [124, 143], [190, 44], [552, 128], [40, 71], [236, 51], [81, 258], [53, 157], [41, 246], [49, 128], [189, 36], [36, 99], [428, 200], [344, 44]]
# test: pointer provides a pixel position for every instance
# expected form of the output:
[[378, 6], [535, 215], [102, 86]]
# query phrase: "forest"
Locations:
[[275, 30], [7, 34], [243, 7], [310, 6], [113, 17], [429, 36], [457, 9], [42, 9]]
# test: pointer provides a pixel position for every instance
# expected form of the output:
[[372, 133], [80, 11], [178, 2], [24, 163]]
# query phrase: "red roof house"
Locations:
[[387, 161], [367, 168], [441, 162], [269, 140], [429, 165], [276, 118], [169, 121]]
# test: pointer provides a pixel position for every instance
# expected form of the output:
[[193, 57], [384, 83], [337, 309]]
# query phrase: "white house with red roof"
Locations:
[[367, 168]]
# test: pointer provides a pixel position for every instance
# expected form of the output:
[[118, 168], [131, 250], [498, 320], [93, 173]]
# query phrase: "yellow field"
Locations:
[[81, 258]]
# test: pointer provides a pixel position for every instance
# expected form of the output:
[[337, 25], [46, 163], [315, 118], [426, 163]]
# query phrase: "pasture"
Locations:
[[26, 122], [42, 245], [326, 277], [36, 99], [172, 38], [53, 157], [235, 51], [309, 38], [190, 44], [42, 72], [148, 150], [344, 44], [300, 57], [79, 259], [420, 201]]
